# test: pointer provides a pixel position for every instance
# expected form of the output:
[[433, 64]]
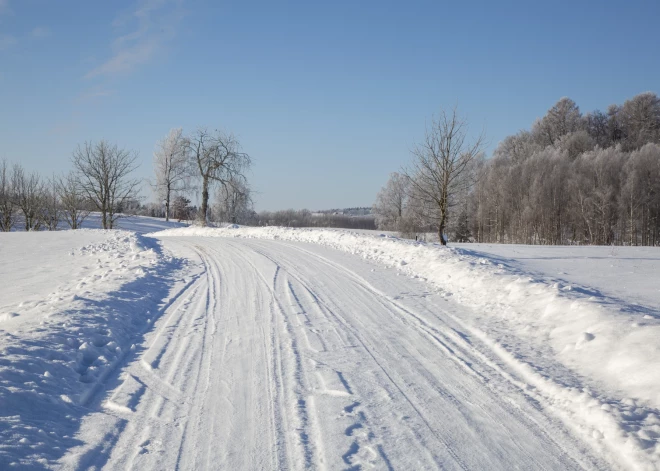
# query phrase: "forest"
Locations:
[[571, 178]]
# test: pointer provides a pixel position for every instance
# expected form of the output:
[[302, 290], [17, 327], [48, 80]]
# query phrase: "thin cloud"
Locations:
[[154, 23], [7, 41], [4, 6], [94, 94]]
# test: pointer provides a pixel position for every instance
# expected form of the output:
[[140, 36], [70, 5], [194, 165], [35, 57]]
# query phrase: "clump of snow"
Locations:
[[594, 336]]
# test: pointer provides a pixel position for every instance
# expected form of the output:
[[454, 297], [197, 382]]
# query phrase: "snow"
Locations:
[[295, 357], [623, 275], [72, 305], [588, 353], [278, 348], [139, 224]]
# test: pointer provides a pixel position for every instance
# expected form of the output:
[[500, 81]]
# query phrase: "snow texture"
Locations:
[[591, 354], [277, 348], [74, 306]]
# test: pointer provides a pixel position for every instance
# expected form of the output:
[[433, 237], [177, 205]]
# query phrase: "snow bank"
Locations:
[[618, 351], [63, 339]]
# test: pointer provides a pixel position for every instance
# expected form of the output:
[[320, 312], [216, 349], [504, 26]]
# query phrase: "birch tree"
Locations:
[[171, 167], [391, 202]]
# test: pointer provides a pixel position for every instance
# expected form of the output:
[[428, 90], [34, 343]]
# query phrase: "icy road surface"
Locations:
[[283, 355]]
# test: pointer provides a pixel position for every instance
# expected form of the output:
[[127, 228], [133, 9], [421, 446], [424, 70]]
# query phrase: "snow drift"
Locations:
[[74, 305]]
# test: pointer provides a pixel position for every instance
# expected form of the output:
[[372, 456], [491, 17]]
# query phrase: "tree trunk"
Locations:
[[205, 200], [441, 226], [104, 218], [167, 202]]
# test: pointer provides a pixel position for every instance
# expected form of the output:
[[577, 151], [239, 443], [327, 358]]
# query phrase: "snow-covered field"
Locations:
[[275, 348]]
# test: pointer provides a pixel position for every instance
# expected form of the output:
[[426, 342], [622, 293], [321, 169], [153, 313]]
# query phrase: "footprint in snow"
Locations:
[[7, 316], [585, 338]]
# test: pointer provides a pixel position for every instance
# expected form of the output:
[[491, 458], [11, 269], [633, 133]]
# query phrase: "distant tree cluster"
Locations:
[[31, 202], [355, 211], [574, 179], [570, 179], [100, 181], [306, 218]]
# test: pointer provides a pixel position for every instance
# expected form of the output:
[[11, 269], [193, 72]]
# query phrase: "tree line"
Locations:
[[102, 179], [306, 218], [572, 178]]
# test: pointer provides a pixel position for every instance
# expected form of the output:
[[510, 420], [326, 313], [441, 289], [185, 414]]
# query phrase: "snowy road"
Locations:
[[281, 355]]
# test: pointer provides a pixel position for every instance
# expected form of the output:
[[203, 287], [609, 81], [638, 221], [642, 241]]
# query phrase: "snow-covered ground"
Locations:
[[628, 276], [73, 308], [139, 224], [275, 348]]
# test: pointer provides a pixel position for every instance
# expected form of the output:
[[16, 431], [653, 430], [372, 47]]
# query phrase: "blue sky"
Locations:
[[327, 97]]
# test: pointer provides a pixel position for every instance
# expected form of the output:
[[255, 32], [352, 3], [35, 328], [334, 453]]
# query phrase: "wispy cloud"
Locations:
[[39, 32], [94, 94], [4, 6], [7, 41], [141, 35]]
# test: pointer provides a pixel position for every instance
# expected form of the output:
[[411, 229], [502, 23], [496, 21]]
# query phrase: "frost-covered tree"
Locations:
[[640, 195], [171, 167], [563, 118], [104, 175], [575, 143], [639, 119], [217, 159], [443, 166], [234, 202], [391, 202], [597, 126]]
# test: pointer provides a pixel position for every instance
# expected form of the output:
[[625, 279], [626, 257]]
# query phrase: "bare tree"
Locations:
[[103, 171], [75, 205], [442, 166], [29, 191], [171, 167], [51, 209], [217, 158], [7, 198]]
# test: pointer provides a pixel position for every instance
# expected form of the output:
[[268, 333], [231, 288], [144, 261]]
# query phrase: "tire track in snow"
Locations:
[[366, 439], [452, 343], [285, 361], [296, 405]]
